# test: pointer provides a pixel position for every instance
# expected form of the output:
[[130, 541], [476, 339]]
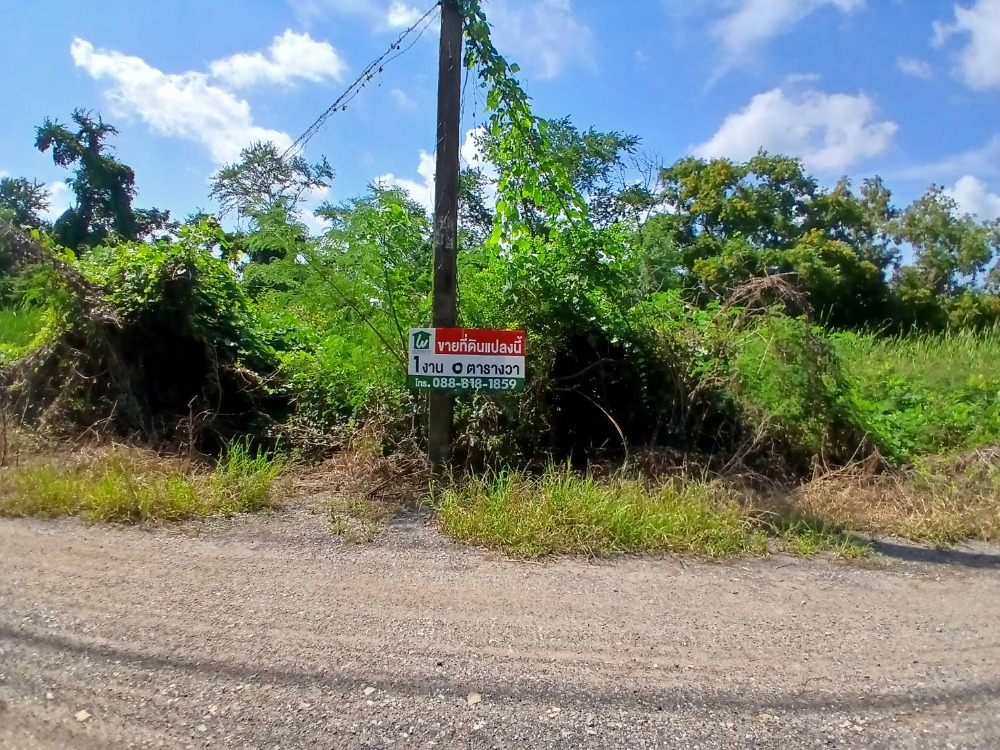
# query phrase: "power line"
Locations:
[[18, 6], [395, 50]]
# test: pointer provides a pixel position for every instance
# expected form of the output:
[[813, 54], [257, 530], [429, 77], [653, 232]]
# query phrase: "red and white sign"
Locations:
[[466, 359]]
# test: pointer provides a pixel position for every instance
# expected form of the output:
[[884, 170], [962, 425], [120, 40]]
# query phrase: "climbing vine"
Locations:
[[531, 171]]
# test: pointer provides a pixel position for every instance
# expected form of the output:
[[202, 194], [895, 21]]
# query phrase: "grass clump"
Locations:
[[130, 486], [561, 512], [244, 477], [18, 327]]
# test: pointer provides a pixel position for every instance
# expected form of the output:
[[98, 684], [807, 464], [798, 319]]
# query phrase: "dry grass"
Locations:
[[557, 512], [360, 490], [938, 502]]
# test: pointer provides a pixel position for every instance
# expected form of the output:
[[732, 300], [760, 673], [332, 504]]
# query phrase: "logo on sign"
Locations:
[[421, 341]]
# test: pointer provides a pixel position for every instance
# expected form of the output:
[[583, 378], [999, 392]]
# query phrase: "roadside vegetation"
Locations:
[[724, 357], [120, 484], [563, 512]]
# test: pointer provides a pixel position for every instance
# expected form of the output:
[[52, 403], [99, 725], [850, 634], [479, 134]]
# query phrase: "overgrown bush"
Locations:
[[152, 340], [760, 387]]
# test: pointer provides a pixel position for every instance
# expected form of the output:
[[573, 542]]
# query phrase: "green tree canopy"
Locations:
[[724, 222], [24, 201], [103, 185], [954, 265], [264, 179]]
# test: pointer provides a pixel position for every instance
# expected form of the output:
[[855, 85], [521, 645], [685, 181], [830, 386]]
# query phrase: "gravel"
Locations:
[[268, 632]]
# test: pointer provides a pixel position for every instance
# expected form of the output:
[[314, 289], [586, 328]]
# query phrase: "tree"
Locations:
[[952, 251], [594, 163], [104, 186], [475, 216], [726, 222], [262, 180], [24, 201], [953, 263], [378, 248], [371, 267]]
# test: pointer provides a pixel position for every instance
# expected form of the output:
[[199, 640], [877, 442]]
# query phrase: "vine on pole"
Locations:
[[532, 172]]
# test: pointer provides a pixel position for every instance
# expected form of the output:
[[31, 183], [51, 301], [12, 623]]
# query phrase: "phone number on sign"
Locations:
[[478, 384]]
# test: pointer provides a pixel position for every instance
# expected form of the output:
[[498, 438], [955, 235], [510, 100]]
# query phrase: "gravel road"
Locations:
[[269, 633]]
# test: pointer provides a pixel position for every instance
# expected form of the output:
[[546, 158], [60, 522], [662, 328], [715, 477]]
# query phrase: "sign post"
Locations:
[[440, 404]]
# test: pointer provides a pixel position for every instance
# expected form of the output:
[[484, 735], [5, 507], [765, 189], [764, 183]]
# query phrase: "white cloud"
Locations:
[[311, 200], [915, 67], [422, 190], [184, 105], [312, 9], [982, 160], [979, 60], [751, 23], [544, 36], [829, 132], [473, 158], [60, 199], [401, 16], [973, 197], [291, 56], [795, 78], [402, 99], [385, 15]]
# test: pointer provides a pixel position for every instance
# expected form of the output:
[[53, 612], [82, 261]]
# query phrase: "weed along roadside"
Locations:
[[125, 485]]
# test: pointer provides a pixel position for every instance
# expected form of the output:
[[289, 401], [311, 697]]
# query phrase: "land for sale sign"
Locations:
[[466, 359]]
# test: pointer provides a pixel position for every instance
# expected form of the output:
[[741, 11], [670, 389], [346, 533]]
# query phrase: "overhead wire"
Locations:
[[17, 6], [396, 50]]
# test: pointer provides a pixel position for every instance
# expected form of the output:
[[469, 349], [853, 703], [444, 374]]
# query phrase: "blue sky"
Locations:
[[908, 89]]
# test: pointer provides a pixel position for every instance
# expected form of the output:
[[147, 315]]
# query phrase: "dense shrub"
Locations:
[[154, 340]]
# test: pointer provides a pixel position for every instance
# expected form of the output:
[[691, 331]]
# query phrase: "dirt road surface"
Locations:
[[270, 633]]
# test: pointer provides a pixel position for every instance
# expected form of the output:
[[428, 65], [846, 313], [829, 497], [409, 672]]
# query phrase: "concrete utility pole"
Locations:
[[441, 405]]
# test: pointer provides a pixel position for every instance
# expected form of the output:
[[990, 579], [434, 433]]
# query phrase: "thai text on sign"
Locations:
[[466, 359]]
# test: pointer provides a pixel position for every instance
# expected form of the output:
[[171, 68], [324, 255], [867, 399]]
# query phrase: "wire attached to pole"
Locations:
[[395, 50]]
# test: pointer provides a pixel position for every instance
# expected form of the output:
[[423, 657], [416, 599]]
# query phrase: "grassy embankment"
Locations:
[[938, 397]]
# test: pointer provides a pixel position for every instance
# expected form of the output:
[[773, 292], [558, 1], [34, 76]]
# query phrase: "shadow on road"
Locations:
[[345, 676], [918, 554]]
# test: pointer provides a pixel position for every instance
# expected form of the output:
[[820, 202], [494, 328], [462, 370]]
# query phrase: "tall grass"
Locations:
[[562, 512], [125, 485], [939, 360], [927, 394]]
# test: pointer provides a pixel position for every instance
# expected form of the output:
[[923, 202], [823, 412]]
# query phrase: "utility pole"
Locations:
[[441, 405]]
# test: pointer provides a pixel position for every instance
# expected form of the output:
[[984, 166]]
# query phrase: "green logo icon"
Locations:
[[421, 341]]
